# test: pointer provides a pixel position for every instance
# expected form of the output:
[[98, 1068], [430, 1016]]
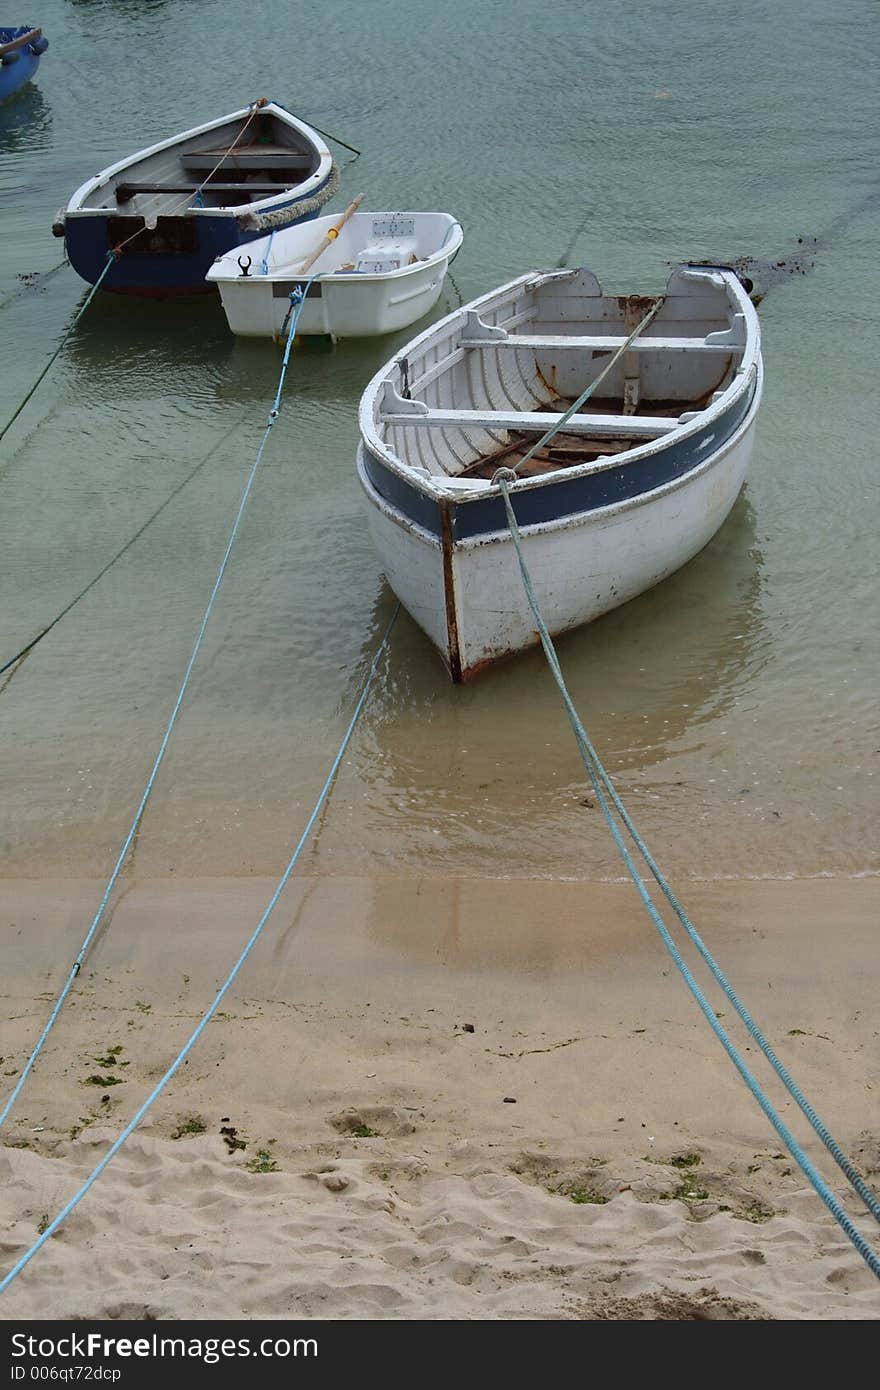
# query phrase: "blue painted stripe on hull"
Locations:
[[87, 243], [410, 501], [553, 501]]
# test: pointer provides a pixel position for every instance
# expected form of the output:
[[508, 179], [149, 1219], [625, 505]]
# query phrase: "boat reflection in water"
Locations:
[[623, 427], [487, 777], [26, 122]]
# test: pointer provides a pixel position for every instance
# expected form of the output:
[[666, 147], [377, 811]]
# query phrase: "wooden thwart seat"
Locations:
[[537, 422], [126, 191], [477, 334], [252, 159], [603, 342]]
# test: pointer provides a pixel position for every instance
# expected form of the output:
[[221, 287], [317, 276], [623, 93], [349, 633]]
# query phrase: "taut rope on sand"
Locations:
[[298, 298], [601, 784], [209, 1013]]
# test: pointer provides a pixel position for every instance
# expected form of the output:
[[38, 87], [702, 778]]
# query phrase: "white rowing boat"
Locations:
[[623, 491], [381, 272]]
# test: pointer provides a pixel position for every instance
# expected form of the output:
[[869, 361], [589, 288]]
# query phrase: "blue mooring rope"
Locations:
[[297, 301], [599, 778], [208, 1015], [264, 263]]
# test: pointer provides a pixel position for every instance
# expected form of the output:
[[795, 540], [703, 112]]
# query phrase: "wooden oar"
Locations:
[[332, 233], [30, 37]]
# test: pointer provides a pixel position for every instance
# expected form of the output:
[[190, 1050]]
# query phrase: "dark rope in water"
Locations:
[[67, 332], [13, 660], [562, 262], [327, 136], [36, 283]]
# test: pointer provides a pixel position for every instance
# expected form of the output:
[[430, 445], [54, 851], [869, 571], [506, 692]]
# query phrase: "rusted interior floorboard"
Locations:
[[568, 450]]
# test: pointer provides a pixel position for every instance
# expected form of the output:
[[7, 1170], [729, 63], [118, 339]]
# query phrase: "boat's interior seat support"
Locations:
[[632, 383], [398, 411], [476, 334]]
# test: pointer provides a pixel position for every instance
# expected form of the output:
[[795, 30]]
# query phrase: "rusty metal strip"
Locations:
[[446, 546]]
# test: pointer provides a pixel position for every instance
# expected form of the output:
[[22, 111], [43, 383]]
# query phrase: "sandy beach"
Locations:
[[434, 1099], [459, 1077]]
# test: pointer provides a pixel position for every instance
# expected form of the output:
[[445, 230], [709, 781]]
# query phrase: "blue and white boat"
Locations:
[[20, 53], [630, 486], [170, 210]]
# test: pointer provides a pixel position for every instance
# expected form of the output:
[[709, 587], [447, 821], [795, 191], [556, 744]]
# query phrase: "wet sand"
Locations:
[[435, 1098]]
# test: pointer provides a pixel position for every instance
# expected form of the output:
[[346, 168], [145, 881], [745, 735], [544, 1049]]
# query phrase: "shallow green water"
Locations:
[[736, 702]]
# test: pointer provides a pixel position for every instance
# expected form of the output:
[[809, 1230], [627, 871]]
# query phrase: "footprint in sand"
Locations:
[[373, 1122]]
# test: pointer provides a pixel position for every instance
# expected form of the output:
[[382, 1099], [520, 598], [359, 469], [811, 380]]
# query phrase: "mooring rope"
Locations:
[[74, 321], [264, 263], [209, 1013], [572, 241], [326, 134], [298, 298], [451, 278], [844, 1163], [600, 780], [25, 650]]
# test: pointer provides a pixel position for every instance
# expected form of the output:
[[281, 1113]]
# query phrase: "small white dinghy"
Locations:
[[610, 496], [370, 272]]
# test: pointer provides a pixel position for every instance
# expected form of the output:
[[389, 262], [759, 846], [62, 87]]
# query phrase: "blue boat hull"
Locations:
[[17, 68], [144, 268]]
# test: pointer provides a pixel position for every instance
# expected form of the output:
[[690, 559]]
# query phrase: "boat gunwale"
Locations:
[[74, 207], [587, 516], [436, 486]]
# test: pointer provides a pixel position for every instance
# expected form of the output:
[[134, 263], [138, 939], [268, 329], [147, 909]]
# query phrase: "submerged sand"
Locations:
[[431, 1098]]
